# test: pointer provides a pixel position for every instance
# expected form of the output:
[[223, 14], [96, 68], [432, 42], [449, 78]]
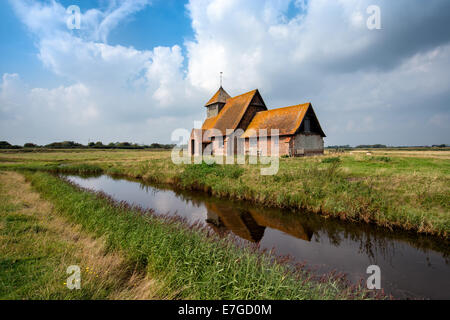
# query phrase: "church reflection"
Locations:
[[250, 224]]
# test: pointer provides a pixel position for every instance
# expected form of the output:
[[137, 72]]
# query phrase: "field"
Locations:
[[47, 224], [407, 189]]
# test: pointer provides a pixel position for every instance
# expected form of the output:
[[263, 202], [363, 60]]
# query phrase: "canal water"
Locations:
[[412, 266]]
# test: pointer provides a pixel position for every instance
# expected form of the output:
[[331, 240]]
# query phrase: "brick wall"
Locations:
[[283, 146]]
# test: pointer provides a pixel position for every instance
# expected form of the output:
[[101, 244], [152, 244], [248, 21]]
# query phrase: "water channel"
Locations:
[[412, 266]]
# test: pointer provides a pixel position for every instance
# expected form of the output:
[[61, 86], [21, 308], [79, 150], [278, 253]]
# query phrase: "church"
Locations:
[[242, 124]]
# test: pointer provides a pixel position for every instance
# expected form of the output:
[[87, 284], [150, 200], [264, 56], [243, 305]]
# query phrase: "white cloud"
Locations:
[[74, 104], [113, 86], [11, 90], [164, 76]]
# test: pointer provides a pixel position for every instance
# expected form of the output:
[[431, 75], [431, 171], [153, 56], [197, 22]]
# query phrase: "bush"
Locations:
[[7, 145], [380, 159], [332, 160], [30, 145], [4, 144], [197, 172]]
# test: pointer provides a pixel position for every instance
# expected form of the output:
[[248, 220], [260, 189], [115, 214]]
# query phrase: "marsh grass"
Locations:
[[200, 175], [331, 160], [382, 159]]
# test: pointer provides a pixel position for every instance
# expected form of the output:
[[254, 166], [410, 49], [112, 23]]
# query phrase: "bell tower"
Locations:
[[216, 103]]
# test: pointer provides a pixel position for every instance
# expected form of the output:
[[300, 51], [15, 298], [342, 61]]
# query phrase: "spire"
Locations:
[[221, 73], [221, 96]]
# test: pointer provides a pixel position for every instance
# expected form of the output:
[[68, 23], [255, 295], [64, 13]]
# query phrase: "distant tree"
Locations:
[[160, 146], [123, 144], [30, 145], [339, 147], [64, 145], [373, 146], [5, 145], [155, 146]]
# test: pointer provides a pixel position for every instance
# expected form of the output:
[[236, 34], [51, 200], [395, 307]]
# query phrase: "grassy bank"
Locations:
[[37, 245], [392, 189], [185, 262]]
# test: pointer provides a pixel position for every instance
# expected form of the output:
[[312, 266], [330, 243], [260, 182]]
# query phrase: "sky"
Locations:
[[137, 70]]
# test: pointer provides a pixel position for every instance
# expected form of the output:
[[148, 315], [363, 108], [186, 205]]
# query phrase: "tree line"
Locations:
[[382, 146], [129, 145], [90, 145]]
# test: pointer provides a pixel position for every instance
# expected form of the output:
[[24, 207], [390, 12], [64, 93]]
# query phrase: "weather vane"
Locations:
[[221, 78]]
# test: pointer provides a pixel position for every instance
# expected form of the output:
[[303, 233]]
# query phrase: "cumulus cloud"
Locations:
[[113, 86], [74, 102], [11, 90], [367, 86]]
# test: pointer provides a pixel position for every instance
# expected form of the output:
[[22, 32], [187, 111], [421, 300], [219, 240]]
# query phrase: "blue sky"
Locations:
[[17, 54], [141, 31], [163, 23], [138, 70]]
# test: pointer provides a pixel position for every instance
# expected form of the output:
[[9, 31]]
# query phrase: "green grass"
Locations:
[[32, 258], [187, 261], [395, 189]]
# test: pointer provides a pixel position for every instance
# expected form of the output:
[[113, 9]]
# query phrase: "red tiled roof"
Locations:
[[220, 96], [287, 120], [209, 123], [233, 111]]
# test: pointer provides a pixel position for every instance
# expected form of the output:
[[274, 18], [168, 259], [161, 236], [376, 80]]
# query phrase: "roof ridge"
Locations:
[[296, 105], [243, 94], [300, 117], [286, 119], [234, 109], [251, 94]]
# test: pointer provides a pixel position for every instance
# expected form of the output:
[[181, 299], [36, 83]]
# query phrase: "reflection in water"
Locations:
[[250, 224], [411, 265], [241, 223]]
